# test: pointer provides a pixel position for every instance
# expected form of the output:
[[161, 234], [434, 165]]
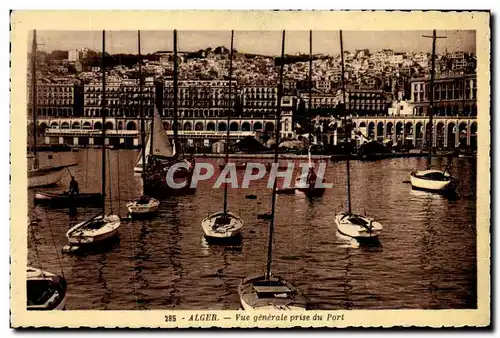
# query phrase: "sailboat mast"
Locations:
[[103, 113], [277, 138], [431, 92], [229, 114], [141, 107], [434, 37], [175, 126], [346, 129], [33, 98], [310, 84]]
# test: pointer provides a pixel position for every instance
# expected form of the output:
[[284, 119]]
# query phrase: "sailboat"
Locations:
[[102, 226], [47, 174], [266, 291], [45, 290], [348, 223], [224, 224], [162, 156], [144, 205], [306, 182], [433, 180]]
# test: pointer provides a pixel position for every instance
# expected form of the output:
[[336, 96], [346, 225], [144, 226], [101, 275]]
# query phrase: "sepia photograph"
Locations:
[[287, 176]]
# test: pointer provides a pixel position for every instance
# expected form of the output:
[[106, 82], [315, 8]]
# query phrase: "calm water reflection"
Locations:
[[427, 256]]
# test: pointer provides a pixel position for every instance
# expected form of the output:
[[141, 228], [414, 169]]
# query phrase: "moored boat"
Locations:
[[143, 206], [65, 199], [433, 180], [357, 226], [258, 293], [267, 291], [222, 225], [45, 290], [94, 231]]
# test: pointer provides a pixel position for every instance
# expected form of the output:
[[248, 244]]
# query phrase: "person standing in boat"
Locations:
[[73, 187], [311, 177]]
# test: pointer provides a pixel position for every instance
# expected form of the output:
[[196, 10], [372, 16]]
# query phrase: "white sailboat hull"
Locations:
[[39, 178], [80, 234], [348, 225], [138, 169], [222, 231], [282, 295], [419, 182], [135, 208]]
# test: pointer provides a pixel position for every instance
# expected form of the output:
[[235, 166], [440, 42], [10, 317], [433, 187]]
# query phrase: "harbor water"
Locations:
[[426, 258]]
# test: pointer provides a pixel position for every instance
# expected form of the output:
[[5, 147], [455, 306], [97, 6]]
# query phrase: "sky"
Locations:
[[258, 42]]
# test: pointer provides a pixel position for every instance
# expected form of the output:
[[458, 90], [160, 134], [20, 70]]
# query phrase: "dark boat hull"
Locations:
[[66, 200]]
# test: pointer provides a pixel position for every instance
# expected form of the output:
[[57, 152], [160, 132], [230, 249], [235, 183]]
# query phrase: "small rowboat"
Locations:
[[65, 199]]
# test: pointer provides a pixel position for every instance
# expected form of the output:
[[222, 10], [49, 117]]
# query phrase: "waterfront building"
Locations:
[[364, 102], [455, 95]]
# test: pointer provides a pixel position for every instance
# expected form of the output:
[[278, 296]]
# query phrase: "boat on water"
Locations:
[[94, 231], [145, 206], [306, 182], [45, 290], [163, 155], [348, 223], [49, 173], [433, 180], [224, 225], [357, 226], [67, 199], [257, 293], [268, 291], [104, 225]]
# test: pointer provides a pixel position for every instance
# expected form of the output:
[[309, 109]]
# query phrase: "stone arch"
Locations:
[[389, 129], [75, 125], [462, 130], [210, 126], [54, 125], [440, 135], [245, 126], [257, 126], [380, 129], [131, 125], [419, 130], [188, 126], [269, 127], [198, 126], [109, 125], [473, 135], [65, 125], [166, 126], [98, 125], [234, 126], [408, 128], [362, 125], [222, 126], [371, 129], [86, 125], [451, 134], [120, 125]]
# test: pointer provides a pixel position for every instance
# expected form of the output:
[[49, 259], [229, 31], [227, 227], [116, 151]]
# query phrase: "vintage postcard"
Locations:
[[175, 169]]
